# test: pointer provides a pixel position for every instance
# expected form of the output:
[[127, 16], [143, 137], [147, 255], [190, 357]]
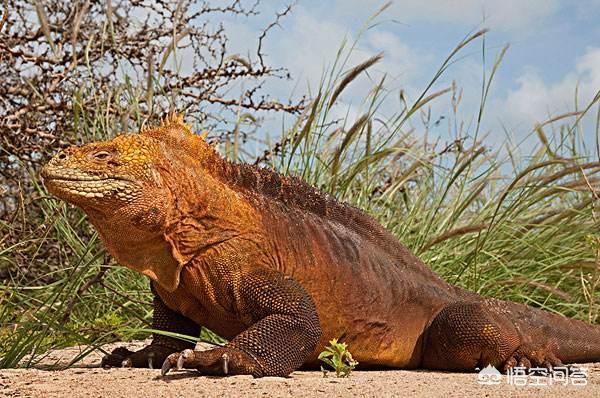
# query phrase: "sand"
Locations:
[[86, 379]]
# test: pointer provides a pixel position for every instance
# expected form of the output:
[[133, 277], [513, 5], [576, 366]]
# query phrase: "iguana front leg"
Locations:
[[162, 346], [284, 330]]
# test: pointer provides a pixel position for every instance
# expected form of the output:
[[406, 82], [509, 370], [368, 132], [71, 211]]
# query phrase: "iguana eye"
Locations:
[[102, 155]]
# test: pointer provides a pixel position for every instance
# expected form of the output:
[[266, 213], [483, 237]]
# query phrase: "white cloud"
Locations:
[[535, 100], [400, 61], [589, 66], [309, 39], [500, 15], [306, 44]]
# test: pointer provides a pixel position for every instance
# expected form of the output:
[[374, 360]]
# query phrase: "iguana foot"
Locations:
[[467, 336], [220, 361], [149, 357], [532, 356]]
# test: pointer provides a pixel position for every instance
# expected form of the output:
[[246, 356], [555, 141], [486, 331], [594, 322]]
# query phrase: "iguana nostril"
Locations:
[[62, 156]]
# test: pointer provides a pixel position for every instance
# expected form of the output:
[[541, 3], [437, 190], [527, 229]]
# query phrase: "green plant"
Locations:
[[337, 356]]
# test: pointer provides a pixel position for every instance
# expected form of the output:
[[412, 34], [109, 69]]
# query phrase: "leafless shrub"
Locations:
[[79, 70]]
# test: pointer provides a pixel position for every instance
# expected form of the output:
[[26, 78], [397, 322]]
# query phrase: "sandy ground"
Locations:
[[87, 380]]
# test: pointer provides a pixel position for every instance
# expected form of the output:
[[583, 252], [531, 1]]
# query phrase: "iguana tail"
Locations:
[[571, 340]]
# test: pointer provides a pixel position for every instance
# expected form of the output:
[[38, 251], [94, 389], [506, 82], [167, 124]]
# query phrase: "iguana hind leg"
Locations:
[[470, 335], [162, 346]]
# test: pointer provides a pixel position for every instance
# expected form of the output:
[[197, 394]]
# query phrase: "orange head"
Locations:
[[154, 197], [124, 176]]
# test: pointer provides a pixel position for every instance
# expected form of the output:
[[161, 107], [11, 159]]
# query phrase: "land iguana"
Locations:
[[279, 268]]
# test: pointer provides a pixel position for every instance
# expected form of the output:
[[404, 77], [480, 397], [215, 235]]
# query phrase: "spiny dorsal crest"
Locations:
[[175, 119], [174, 131], [292, 192]]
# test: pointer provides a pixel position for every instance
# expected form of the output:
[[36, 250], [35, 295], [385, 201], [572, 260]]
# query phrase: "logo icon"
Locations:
[[536, 376], [489, 375]]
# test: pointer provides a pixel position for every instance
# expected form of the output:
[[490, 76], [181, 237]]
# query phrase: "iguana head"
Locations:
[[105, 176], [128, 186], [122, 175]]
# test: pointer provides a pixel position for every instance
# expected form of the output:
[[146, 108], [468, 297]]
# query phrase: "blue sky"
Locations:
[[554, 45]]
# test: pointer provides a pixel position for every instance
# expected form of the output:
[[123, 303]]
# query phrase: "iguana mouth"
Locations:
[[74, 182], [76, 175]]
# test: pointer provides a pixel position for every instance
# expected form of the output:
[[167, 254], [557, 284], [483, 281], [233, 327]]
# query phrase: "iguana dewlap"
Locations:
[[279, 269]]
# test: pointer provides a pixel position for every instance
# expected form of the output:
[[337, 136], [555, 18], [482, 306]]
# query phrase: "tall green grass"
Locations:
[[523, 228], [507, 226]]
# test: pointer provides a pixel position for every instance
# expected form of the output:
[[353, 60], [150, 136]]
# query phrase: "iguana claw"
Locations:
[[187, 358], [166, 366], [185, 355], [225, 359], [180, 362], [176, 360]]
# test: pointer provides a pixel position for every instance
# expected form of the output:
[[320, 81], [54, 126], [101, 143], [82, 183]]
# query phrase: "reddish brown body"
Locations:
[[280, 269]]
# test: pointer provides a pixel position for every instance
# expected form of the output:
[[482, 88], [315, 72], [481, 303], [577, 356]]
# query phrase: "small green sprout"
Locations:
[[339, 358]]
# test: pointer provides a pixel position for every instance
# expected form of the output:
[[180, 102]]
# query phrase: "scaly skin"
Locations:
[[280, 268]]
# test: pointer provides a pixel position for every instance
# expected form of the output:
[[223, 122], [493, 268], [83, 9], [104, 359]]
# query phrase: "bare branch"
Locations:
[[76, 70], [263, 35]]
